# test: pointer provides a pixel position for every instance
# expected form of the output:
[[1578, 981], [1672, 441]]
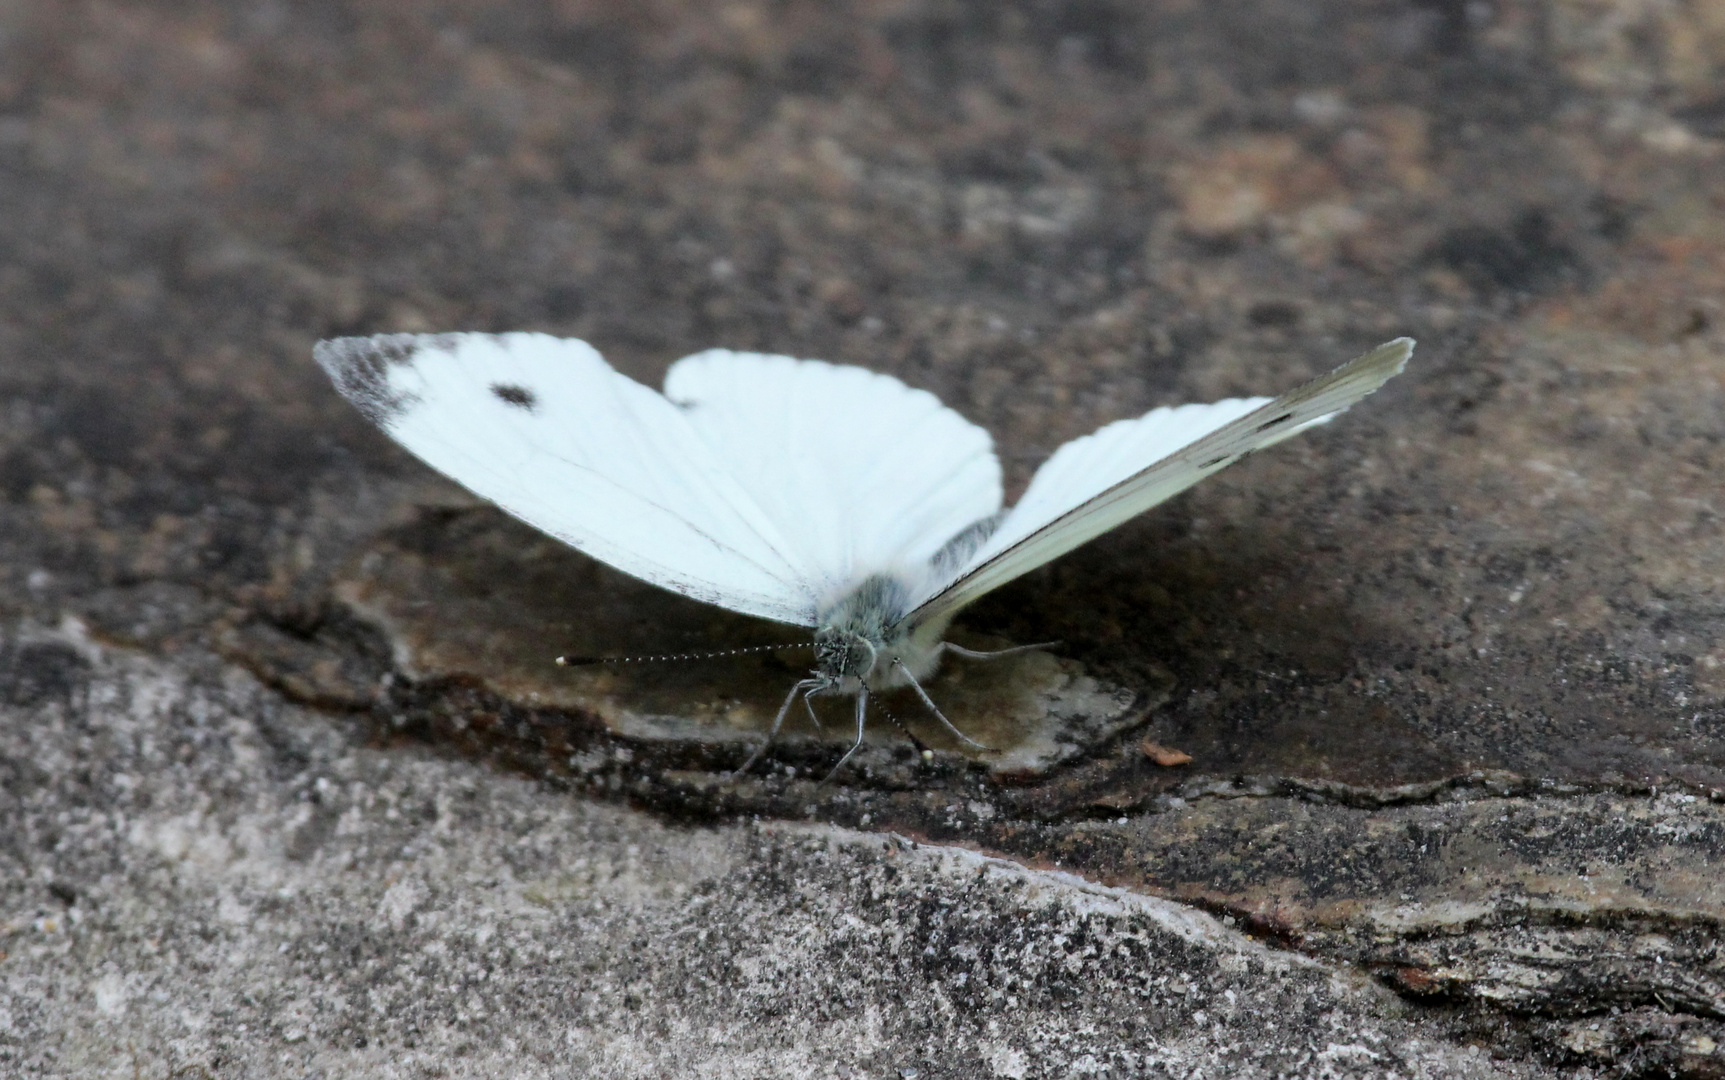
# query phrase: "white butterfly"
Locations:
[[810, 493]]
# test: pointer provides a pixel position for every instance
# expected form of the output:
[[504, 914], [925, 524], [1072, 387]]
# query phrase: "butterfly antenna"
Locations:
[[921, 747], [935, 709], [584, 661]]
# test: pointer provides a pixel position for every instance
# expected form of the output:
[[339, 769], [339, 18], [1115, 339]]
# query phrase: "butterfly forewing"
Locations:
[[1074, 505], [545, 429]]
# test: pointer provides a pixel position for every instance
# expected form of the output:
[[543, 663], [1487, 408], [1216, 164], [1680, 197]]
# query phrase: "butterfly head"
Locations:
[[853, 633], [844, 660], [867, 639]]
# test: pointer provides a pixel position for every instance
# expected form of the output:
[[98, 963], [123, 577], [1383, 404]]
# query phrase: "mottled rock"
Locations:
[[201, 879], [1482, 615]]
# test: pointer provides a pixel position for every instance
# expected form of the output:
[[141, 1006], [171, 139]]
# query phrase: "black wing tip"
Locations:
[[359, 367], [338, 353]]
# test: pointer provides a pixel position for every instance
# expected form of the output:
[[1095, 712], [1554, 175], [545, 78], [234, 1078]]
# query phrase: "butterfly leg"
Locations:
[[933, 708], [810, 706], [862, 714], [972, 654], [809, 685]]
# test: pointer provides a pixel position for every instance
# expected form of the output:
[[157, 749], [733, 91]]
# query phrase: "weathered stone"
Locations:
[[200, 878], [1483, 613]]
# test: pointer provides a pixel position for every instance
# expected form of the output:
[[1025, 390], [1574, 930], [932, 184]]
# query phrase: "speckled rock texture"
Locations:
[[289, 786], [240, 888]]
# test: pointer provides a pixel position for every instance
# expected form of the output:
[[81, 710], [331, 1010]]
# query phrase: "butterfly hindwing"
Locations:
[[861, 473]]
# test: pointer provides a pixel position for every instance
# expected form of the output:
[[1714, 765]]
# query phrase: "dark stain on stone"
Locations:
[[1523, 258], [104, 424], [36, 672], [1452, 33], [1106, 33], [1273, 313], [1703, 117], [563, 303]]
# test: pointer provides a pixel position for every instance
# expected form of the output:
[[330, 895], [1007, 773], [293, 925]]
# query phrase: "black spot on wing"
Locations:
[[359, 367], [518, 396], [1275, 422]]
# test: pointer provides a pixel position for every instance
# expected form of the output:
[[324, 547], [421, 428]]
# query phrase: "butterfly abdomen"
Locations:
[[955, 553]]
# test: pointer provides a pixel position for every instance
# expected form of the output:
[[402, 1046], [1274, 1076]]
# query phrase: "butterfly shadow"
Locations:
[[473, 595], [1274, 666]]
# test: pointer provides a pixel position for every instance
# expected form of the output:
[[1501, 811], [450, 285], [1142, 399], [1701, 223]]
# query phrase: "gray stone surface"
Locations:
[[202, 880], [1451, 672]]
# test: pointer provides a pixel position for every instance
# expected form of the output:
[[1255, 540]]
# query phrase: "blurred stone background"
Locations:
[[287, 789]]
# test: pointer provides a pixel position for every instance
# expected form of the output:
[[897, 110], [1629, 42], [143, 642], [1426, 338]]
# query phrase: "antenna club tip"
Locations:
[[561, 661]]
